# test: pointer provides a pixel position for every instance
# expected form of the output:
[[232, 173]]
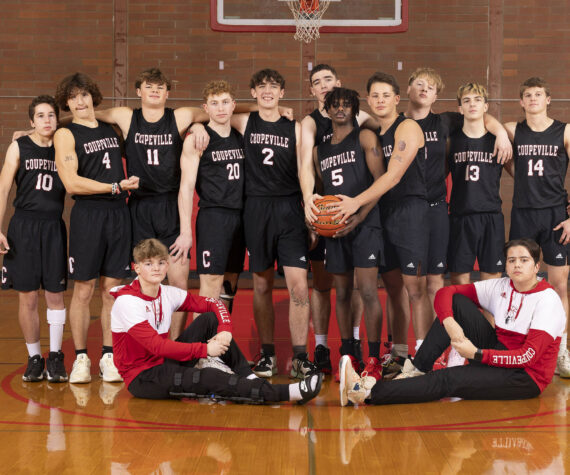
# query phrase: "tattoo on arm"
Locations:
[[375, 151], [397, 157], [69, 158], [401, 145]]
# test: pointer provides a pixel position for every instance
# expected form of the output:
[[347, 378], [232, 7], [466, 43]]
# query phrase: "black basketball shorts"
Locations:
[[438, 231], [318, 253], [275, 230], [538, 224], [220, 243], [38, 252], [405, 227], [99, 240], [362, 248], [155, 217], [478, 236]]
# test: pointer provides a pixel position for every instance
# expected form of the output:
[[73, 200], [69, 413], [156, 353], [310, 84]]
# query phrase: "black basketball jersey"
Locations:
[[475, 173], [541, 163], [343, 168], [220, 179], [324, 127], [99, 157], [436, 128], [413, 183], [153, 152], [39, 187], [271, 157]]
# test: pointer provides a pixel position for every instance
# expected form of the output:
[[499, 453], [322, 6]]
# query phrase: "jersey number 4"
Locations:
[[538, 167]]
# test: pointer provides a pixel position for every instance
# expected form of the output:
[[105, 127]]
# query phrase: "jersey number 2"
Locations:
[[268, 159]]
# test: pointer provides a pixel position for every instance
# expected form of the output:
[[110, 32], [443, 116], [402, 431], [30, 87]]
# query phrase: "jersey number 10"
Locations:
[[45, 182]]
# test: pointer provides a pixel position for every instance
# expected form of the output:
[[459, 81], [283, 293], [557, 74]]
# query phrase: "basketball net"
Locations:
[[307, 15]]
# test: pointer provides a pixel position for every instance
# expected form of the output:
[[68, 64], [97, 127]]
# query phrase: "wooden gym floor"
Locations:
[[100, 428]]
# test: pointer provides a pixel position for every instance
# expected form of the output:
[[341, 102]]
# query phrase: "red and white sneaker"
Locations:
[[373, 368]]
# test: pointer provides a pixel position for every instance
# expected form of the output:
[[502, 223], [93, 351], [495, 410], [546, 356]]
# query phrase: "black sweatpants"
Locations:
[[181, 376], [474, 381]]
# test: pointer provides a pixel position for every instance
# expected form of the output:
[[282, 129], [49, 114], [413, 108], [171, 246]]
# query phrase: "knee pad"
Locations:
[[56, 317]]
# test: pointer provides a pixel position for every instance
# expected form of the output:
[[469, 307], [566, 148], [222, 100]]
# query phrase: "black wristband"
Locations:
[[478, 355]]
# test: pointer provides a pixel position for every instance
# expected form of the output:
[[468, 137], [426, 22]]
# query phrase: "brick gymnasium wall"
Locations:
[[492, 41]]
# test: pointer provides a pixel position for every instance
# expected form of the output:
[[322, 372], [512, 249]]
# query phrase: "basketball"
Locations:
[[324, 225]]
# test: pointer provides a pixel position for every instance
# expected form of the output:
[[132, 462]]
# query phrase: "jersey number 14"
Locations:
[[538, 167]]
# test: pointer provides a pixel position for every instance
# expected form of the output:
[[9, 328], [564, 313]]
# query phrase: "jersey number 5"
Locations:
[[336, 176], [538, 167]]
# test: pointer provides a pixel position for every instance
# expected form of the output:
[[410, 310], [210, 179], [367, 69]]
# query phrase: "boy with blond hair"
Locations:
[[477, 223], [217, 176], [155, 367]]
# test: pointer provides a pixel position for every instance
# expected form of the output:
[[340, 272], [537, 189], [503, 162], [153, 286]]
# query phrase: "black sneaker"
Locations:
[[308, 390], [55, 368], [323, 359], [35, 370], [266, 366], [358, 352], [301, 367]]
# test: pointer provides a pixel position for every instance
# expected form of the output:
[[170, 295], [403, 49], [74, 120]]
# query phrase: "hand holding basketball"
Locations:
[[326, 224], [344, 207]]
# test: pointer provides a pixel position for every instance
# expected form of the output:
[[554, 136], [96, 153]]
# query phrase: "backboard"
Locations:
[[342, 16]]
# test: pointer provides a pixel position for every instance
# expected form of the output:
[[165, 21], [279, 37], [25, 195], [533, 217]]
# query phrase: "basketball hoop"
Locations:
[[307, 15]]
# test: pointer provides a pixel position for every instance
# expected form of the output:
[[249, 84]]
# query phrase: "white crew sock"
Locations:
[[34, 348], [356, 333], [321, 340], [418, 344], [295, 391]]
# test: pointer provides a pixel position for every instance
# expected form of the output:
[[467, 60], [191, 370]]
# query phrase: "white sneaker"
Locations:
[[455, 359], [109, 371], [213, 362], [563, 365], [81, 370], [353, 389], [409, 370]]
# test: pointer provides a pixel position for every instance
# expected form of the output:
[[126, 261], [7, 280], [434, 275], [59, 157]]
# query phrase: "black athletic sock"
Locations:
[[268, 349], [300, 352], [82, 350], [106, 349], [374, 349], [347, 346]]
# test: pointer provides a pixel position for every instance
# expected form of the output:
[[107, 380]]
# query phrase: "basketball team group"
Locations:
[[271, 185]]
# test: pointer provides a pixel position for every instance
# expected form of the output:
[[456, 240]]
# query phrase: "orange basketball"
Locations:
[[324, 225]]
